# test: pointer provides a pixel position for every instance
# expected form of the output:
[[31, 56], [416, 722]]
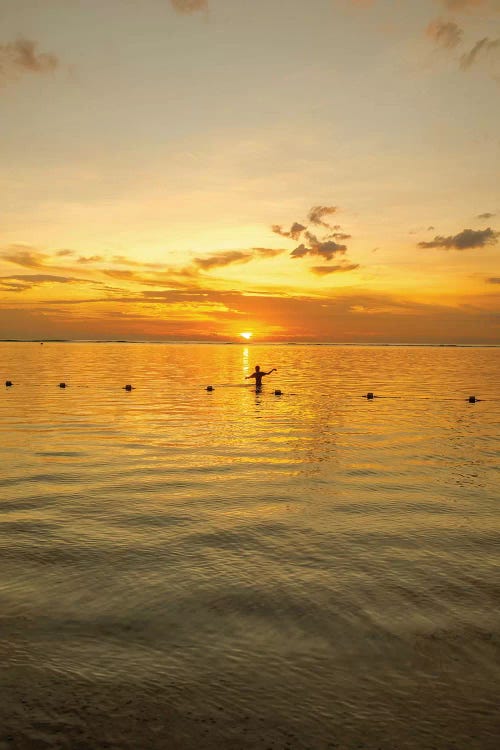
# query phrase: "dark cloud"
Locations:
[[324, 270], [445, 33], [21, 56], [465, 240], [486, 215], [493, 280], [326, 245], [64, 253], [317, 214], [327, 249], [294, 232], [483, 46], [189, 6]]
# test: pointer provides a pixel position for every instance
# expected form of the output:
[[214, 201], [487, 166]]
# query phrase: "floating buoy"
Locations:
[[62, 385], [209, 388], [128, 387], [369, 396], [472, 399], [8, 383], [277, 392]]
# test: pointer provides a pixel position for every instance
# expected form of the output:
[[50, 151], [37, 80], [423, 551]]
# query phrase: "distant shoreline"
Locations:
[[250, 343]]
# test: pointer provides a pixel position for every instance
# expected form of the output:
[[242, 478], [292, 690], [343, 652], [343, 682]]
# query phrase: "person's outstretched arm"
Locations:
[[270, 371]]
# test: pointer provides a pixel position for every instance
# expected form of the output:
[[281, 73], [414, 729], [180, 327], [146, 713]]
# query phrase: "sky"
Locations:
[[301, 170]]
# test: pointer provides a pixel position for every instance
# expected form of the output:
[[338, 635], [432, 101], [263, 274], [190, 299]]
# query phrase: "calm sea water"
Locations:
[[184, 569]]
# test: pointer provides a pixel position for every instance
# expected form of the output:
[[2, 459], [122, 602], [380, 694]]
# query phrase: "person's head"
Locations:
[[257, 368]]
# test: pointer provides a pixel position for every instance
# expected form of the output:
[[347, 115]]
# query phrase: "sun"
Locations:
[[246, 335]]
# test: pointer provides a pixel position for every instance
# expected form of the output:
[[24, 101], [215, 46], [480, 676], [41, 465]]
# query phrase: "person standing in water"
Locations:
[[258, 375]]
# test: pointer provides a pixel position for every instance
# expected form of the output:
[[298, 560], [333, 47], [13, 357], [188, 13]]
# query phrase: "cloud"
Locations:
[[21, 57], [23, 255], [22, 282], [458, 5], [124, 261], [327, 249], [486, 215], [317, 214], [324, 270], [189, 6], [228, 257], [339, 236], [90, 259], [294, 232], [483, 46], [493, 280], [465, 240], [444, 33]]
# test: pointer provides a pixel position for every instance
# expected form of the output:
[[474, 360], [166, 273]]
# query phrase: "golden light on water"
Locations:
[[246, 335]]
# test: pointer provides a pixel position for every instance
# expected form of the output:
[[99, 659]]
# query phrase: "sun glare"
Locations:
[[246, 335]]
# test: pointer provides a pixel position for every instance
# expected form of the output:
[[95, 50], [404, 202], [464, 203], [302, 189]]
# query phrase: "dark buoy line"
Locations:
[[210, 388]]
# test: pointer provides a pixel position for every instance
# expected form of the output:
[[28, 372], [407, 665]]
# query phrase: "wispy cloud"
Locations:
[[228, 257], [325, 270], [90, 259], [459, 5], [317, 214], [493, 280], [486, 215], [482, 47], [294, 232], [23, 282], [21, 57], [122, 260], [189, 6], [445, 33], [465, 240], [23, 255]]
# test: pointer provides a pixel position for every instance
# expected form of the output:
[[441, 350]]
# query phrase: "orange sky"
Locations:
[[192, 170]]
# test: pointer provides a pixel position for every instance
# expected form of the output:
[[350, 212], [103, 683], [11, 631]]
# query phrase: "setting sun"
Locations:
[[246, 335]]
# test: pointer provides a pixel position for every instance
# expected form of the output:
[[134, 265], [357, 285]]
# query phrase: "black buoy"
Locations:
[[209, 388], [277, 392], [128, 387], [8, 383], [472, 399], [369, 396], [62, 385]]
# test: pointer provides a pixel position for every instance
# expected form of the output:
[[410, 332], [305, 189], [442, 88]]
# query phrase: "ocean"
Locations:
[[183, 568]]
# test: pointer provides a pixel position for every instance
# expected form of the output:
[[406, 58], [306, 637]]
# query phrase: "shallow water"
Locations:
[[243, 570]]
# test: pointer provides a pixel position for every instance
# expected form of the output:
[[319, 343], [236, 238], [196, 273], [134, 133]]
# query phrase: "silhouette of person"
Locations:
[[258, 375]]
